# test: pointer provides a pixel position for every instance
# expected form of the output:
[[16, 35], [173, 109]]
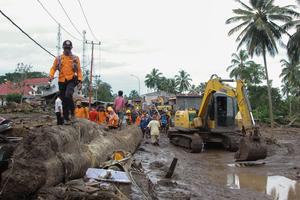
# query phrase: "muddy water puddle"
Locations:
[[279, 187], [255, 178]]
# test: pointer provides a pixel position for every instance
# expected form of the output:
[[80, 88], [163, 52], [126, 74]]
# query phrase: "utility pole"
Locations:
[[83, 49], [58, 40], [97, 78], [91, 72]]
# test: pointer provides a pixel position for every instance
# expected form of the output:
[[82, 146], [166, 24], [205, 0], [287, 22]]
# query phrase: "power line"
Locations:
[[26, 34], [51, 16], [69, 18], [87, 22]]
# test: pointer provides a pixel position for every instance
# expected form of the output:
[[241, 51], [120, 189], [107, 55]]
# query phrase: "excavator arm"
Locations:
[[244, 106], [252, 146]]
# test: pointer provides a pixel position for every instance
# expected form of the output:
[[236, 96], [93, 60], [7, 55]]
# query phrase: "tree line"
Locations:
[[22, 72], [180, 83]]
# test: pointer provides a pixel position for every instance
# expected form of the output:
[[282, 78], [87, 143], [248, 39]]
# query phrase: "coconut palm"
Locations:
[[293, 45], [290, 73], [259, 31], [256, 73], [239, 64], [172, 86], [194, 90], [167, 85], [153, 79], [183, 81], [202, 88], [290, 80]]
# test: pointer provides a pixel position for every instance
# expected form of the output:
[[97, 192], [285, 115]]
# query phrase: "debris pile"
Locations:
[[50, 155]]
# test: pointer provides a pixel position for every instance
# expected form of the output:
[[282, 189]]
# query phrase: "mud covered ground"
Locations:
[[213, 173]]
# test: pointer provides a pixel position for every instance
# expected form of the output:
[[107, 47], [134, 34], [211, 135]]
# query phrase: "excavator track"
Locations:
[[191, 142], [231, 141]]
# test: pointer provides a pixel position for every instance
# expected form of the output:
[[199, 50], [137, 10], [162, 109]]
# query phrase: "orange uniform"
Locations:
[[113, 120], [81, 113], [66, 71], [138, 121], [102, 117]]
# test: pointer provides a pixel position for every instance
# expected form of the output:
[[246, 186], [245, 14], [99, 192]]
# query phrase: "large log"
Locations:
[[54, 154]]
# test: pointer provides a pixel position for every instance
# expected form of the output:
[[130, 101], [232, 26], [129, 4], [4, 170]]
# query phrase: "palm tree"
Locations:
[[167, 85], [293, 45], [194, 90], [260, 32], [256, 73], [202, 88], [153, 79], [239, 64], [183, 81], [172, 86], [290, 78]]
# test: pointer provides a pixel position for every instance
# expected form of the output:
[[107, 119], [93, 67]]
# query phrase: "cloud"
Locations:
[[125, 46]]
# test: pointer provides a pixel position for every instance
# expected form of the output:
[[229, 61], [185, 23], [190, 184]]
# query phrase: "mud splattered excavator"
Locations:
[[216, 122]]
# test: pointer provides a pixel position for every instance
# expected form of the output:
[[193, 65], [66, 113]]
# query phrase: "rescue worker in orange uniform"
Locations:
[[102, 115], [138, 119], [81, 112], [70, 76], [113, 119]]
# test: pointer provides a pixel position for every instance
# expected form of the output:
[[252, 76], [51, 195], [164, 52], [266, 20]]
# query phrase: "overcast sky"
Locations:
[[136, 36]]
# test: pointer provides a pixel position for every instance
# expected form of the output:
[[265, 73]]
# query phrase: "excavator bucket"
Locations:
[[251, 149]]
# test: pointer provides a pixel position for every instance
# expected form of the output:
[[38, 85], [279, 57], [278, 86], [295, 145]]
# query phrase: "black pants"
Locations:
[[60, 120], [66, 90]]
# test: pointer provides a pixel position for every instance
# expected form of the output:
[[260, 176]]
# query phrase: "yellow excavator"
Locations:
[[216, 122]]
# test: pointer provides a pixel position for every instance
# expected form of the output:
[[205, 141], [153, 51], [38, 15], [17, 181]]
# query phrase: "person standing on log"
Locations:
[[70, 76]]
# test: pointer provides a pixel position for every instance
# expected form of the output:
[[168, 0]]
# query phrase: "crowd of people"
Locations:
[[150, 120]]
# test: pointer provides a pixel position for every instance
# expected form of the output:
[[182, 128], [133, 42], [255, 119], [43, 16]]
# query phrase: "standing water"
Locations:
[[279, 187]]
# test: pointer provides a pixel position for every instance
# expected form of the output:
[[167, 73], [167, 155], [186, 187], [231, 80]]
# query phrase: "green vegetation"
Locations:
[[260, 31], [181, 83], [13, 98], [245, 69], [22, 72], [133, 95], [153, 79], [102, 91]]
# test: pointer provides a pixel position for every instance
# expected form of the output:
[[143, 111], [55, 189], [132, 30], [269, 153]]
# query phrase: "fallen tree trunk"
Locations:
[[54, 154]]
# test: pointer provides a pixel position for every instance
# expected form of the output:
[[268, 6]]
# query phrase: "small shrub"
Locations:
[[13, 98]]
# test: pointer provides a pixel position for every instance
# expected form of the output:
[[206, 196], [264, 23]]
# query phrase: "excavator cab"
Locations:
[[222, 111]]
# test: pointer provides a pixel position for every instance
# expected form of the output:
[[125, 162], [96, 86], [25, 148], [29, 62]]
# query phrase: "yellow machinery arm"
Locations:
[[244, 106]]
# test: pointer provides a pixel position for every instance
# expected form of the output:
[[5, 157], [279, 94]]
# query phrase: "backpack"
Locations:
[[75, 64]]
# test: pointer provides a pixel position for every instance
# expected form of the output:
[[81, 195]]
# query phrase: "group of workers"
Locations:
[[70, 76], [98, 115]]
